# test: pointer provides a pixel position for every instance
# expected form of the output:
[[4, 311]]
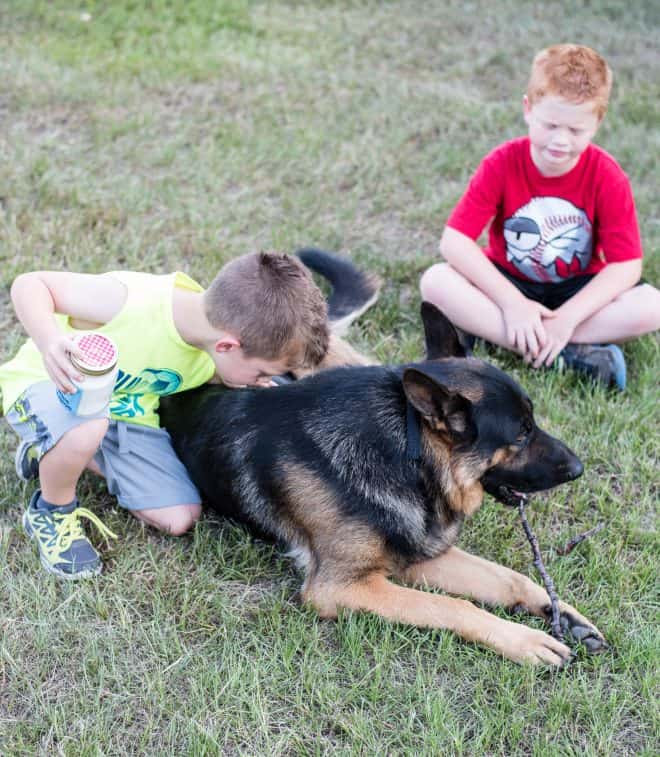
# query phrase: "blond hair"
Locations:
[[575, 72], [270, 303]]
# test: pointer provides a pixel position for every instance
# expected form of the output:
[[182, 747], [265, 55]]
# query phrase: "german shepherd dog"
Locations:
[[367, 473]]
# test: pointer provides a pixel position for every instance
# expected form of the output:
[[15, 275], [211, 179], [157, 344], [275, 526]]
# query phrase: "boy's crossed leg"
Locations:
[[592, 348]]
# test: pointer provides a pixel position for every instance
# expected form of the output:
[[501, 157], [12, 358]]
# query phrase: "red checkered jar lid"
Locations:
[[100, 353]]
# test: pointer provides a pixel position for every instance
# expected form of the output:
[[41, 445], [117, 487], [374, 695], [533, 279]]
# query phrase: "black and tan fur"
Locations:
[[332, 467]]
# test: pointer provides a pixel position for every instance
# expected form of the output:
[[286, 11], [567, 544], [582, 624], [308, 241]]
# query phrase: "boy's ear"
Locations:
[[526, 107], [227, 343]]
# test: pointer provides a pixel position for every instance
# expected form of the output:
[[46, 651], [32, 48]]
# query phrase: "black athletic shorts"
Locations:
[[552, 296]]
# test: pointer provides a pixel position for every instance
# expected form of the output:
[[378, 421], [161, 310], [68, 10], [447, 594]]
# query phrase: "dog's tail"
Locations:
[[353, 290]]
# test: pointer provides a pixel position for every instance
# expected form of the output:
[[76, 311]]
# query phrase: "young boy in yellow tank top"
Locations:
[[262, 316]]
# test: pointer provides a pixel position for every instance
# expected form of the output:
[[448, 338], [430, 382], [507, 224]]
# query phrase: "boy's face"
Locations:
[[559, 132], [236, 370]]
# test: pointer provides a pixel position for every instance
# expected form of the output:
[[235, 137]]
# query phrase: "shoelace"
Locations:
[[69, 528]]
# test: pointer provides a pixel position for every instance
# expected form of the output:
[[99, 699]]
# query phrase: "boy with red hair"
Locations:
[[561, 274]]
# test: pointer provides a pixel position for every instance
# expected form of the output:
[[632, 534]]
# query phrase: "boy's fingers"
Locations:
[[62, 380], [535, 337], [73, 349], [64, 375], [542, 339], [519, 341], [66, 367], [62, 383], [553, 354], [72, 372], [546, 312], [511, 337], [542, 356], [532, 344], [67, 371]]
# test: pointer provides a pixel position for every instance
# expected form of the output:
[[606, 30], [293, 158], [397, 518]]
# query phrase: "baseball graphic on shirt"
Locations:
[[548, 239]]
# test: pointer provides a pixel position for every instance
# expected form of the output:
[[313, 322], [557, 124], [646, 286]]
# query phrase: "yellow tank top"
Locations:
[[153, 359]]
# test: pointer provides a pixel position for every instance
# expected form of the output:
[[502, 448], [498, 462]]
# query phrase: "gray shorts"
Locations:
[[139, 463]]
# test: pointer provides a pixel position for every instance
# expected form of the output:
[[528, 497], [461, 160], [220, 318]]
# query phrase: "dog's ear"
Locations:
[[443, 409], [441, 337]]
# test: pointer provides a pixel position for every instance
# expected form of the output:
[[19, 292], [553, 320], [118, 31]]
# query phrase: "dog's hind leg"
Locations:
[[376, 594], [459, 572]]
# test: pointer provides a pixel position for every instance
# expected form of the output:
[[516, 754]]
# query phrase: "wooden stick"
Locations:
[[538, 562], [572, 543]]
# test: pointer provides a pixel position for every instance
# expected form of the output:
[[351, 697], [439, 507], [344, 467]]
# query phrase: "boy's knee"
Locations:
[[176, 520], [185, 520], [434, 280], [81, 442], [642, 309], [649, 314], [647, 322]]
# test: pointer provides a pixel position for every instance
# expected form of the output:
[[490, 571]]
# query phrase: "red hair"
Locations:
[[575, 72]]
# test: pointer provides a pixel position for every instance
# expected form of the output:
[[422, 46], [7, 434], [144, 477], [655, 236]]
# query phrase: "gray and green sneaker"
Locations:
[[64, 549], [603, 363], [26, 461]]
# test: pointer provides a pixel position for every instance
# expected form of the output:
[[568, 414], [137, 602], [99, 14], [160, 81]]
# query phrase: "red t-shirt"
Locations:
[[548, 229]]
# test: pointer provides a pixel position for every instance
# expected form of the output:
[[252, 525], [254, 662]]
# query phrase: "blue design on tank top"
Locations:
[[130, 389]]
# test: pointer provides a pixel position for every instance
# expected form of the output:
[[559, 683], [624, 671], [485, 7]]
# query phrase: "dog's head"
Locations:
[[484, 417]]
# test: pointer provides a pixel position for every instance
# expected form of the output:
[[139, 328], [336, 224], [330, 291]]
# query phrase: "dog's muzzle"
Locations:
[[512, 496]]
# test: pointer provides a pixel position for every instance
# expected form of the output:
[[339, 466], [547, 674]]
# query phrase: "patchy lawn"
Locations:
[[172, 134]]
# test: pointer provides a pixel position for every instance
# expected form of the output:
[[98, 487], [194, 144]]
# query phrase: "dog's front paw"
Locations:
[[527, 645], [579, 627]]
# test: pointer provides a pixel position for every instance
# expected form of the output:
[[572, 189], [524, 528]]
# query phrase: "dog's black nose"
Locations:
[[574, 469]]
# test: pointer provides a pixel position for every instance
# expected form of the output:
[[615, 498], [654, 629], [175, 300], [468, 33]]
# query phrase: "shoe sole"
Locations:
[[18, 458], [51, 568], [619, 367]]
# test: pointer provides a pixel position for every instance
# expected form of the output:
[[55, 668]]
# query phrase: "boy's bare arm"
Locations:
[[523, 317], [605, 286], [38, 295]]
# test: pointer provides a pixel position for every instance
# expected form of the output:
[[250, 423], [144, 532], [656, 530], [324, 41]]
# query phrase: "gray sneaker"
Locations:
[[64, 549], [604, 363]]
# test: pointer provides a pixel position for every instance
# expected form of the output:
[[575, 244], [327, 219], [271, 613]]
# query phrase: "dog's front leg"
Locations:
[[404, 605], [459, 572]]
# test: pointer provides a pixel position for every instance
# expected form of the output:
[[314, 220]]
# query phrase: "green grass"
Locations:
[[170, 134]]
